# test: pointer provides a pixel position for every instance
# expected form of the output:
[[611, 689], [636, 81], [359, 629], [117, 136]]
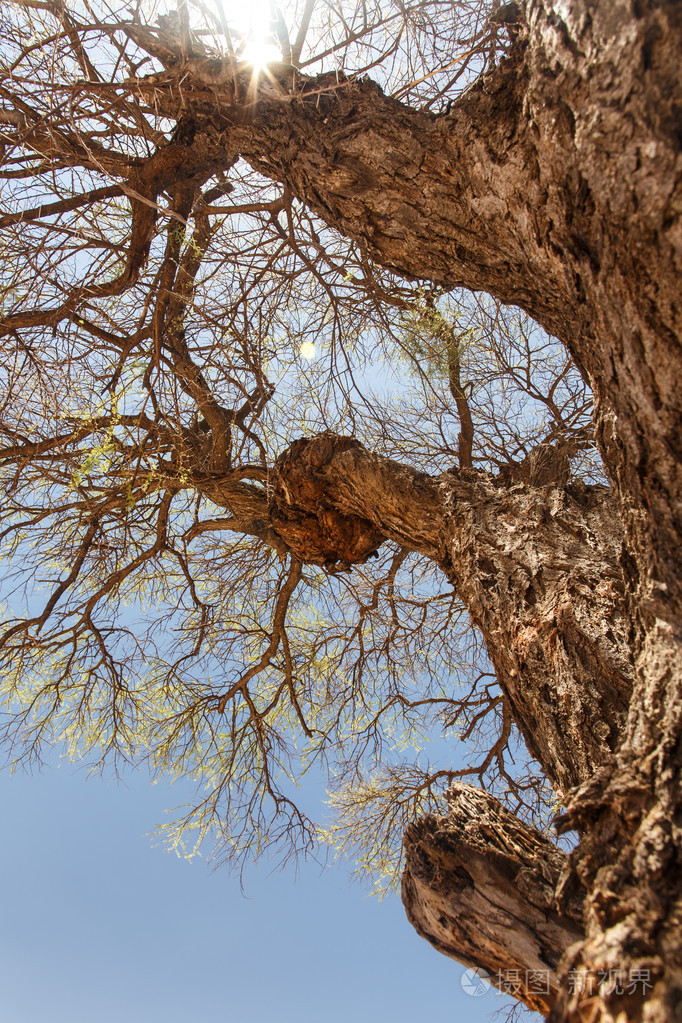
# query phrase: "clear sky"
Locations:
[[101, 926]]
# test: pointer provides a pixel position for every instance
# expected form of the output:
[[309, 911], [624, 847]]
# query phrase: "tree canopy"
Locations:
[[149, 387]]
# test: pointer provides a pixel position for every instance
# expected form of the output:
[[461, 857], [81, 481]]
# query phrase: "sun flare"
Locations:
[[260, 53]]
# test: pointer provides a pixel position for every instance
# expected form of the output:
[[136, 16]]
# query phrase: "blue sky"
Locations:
[[100, 925]]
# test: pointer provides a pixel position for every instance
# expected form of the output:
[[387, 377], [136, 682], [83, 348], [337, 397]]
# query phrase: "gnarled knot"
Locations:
[[302, 511]]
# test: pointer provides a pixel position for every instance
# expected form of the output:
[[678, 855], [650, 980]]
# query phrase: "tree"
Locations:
[[142, 335]]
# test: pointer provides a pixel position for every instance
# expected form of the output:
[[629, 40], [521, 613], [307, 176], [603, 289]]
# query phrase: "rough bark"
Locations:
[[538, 571], [480, 886]]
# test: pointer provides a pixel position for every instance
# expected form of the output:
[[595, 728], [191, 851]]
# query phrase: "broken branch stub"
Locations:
[[302, 511], [481, 886]]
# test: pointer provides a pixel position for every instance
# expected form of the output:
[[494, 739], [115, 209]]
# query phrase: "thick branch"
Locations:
[[247, 504], [333, 501], [537, 569]]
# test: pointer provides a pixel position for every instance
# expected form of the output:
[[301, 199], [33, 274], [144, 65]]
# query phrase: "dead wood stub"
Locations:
[[480, 886], [302, 511]]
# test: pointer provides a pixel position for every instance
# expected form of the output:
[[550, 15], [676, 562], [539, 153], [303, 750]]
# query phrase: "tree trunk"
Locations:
[[555, 183]]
